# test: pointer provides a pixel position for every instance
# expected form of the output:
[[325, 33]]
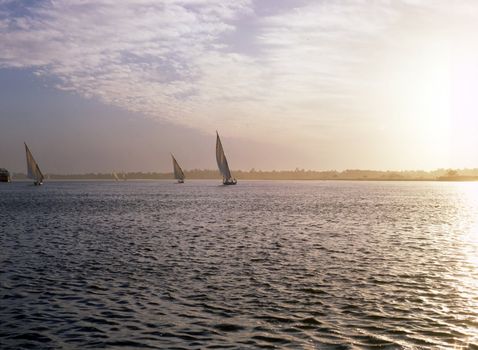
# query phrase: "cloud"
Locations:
[[141, 55], [316, 67]]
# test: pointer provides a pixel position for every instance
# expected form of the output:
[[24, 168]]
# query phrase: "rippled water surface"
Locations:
[[313, 265]]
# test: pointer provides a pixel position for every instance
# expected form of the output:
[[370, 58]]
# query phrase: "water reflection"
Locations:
[[466, 272], [467, 203]]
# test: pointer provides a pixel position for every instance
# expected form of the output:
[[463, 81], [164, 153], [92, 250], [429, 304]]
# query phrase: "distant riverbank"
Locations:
[[297, 174]]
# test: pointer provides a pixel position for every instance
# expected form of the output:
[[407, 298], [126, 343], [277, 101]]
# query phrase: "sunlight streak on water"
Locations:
[[469, 224]]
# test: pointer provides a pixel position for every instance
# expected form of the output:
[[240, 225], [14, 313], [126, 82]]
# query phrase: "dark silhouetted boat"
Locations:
[[227, 178], [4, 175], [33, 170], [178, 172]]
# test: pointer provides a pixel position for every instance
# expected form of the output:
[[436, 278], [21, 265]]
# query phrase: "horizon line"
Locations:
[[253, 170]]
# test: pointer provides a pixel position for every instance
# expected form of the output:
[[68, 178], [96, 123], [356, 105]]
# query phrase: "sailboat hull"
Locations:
[[229, 182]]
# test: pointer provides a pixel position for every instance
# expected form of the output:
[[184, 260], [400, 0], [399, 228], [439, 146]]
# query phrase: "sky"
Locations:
[[103, 85]]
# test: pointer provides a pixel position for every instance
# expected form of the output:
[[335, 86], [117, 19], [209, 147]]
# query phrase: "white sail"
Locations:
[[115, 176], [222, 162], [178, 172], [33, 170]]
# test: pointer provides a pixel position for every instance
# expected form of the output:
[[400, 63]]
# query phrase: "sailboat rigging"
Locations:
[[178, 172], [33, 170], [227, 178]]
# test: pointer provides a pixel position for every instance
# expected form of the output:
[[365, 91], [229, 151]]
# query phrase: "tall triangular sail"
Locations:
[[33, 170], [178, 172], [222, 163]]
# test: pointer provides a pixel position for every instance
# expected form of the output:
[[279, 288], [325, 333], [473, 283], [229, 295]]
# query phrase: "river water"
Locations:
[[312, 265]]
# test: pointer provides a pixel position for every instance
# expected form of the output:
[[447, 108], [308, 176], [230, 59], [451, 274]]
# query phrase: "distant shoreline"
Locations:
[[458, 178], [442, 179], [444, 175]]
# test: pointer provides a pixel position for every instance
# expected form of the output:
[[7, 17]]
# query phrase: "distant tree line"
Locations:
[[297, 174]]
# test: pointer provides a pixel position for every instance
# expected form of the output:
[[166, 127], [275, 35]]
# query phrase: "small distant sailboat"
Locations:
[[115, 176], [227, 178], [178, 172], [33, 170]]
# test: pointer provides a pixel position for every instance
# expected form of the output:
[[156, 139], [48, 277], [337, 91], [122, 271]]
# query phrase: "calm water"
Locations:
[[313, 265]]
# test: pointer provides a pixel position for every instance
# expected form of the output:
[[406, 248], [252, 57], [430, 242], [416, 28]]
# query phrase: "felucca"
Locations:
[[178, 172], [33, 170], [227, 178]]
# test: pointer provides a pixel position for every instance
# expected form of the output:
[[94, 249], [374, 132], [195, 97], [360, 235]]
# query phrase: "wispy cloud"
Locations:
[[314, 66], [141, 55]]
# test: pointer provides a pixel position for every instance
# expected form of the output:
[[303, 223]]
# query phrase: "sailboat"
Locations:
[[33, 170], [178, 172], [115, 176], [227, 178]]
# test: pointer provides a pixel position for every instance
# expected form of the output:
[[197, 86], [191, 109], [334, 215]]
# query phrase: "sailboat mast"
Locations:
[[222, 162], [178, 172], [33, 170]]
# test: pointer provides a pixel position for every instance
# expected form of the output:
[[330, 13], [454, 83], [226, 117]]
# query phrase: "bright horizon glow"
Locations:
[[341, 84]]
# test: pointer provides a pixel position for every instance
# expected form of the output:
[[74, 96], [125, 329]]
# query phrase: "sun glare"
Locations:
[[418, 95], [470, 192], [469, 226]]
